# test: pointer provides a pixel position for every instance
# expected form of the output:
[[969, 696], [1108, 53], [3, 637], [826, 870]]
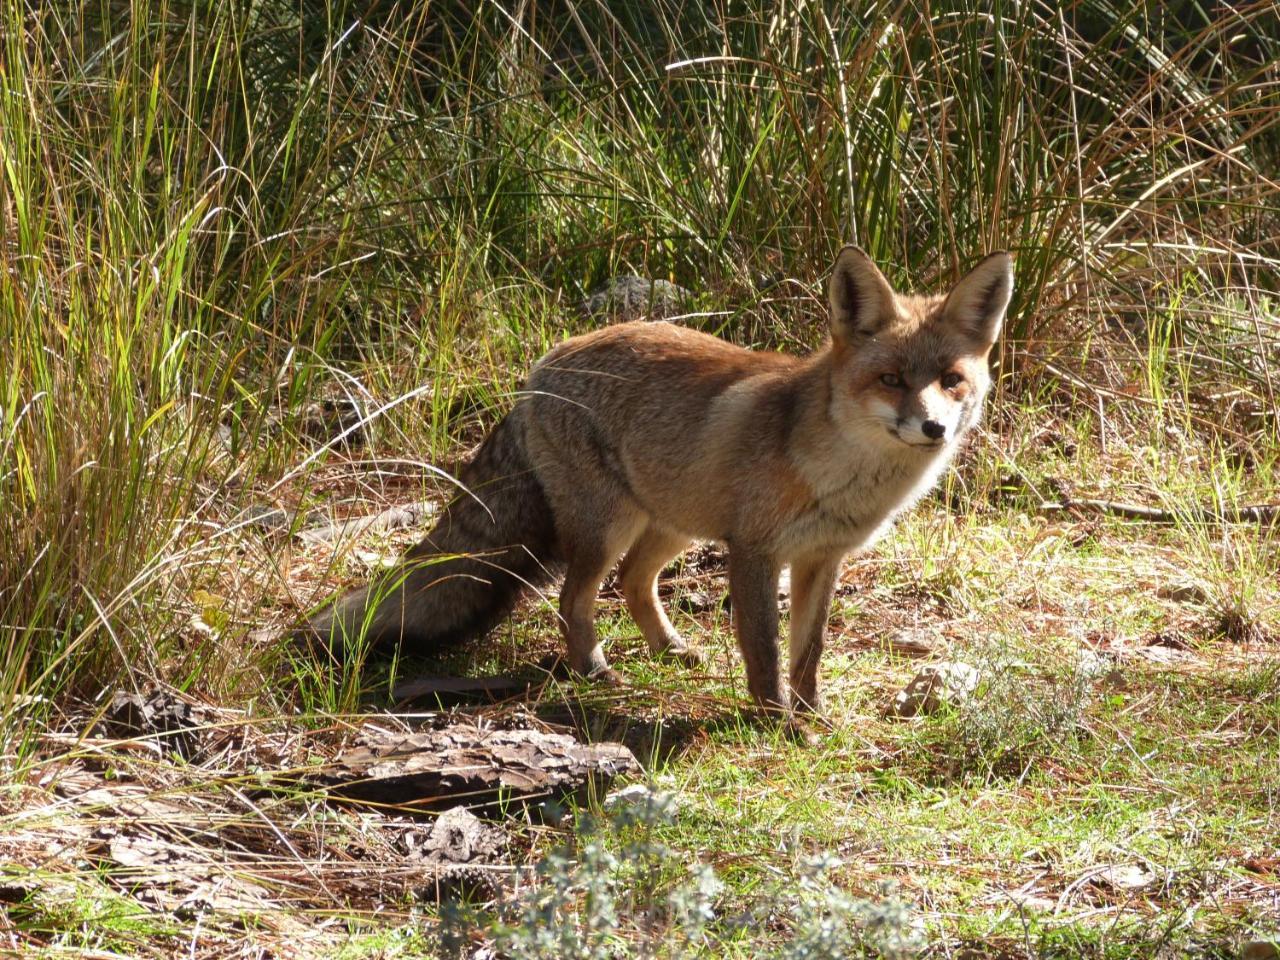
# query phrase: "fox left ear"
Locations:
[[977, 303]]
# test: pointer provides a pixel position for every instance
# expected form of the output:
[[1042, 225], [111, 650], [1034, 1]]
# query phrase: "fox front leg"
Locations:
[[813, 580], [753, 588]]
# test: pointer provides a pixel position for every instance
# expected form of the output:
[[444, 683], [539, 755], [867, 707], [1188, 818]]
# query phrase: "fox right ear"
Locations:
[[861, 298]]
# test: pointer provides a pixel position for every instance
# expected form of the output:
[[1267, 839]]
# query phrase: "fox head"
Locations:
[[911, 371]]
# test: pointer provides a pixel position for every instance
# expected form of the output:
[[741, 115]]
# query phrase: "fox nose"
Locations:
[[933, 429]]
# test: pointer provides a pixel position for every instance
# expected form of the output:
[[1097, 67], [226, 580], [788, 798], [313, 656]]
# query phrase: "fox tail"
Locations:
[[493, 542]]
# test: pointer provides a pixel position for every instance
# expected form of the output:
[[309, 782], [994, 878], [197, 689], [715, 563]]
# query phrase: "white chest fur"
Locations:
[[857, 496]]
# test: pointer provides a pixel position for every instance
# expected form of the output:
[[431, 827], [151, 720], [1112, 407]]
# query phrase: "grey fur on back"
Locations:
[[493, 541]]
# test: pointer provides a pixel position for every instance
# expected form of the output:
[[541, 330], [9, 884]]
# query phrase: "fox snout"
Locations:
[[928, 421], [926, 429]]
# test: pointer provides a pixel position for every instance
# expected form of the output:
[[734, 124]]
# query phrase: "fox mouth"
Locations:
[[919, 445]]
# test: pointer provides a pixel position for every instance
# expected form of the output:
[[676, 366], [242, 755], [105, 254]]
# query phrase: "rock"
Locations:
[[628, 297], [160, 716], [640, 803], [1093, 665], [1182, 592], [1125, 877], [1032, 903], [910, 642], [628, 795], [947, 682]]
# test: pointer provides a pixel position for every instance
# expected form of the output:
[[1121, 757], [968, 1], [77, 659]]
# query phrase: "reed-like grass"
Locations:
[[211, 214]]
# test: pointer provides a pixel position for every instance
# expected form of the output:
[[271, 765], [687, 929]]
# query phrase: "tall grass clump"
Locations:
[[211, 213]]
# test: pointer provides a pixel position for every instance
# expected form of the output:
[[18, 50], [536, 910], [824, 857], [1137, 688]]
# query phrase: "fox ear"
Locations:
[[861, 298], [977, 303]]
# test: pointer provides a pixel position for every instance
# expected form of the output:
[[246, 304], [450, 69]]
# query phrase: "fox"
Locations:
[[637, 439]]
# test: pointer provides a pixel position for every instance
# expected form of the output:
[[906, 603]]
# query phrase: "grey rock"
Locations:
[[159, 716], [1125, 877], [1182, 593], [628, 297], [948, 682], [911, 642]]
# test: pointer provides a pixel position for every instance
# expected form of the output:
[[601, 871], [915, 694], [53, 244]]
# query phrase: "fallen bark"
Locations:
[[469, 765]]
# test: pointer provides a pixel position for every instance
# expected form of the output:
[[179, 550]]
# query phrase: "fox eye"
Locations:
[[891, 380], [950, 380]]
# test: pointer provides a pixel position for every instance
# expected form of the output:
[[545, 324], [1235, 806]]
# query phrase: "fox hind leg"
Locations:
[[590, 549], [638, 579]]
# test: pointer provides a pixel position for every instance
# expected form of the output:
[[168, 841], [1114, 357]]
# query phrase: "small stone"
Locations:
[[910, 642], [393, 518], [1182, 592], [947, 682], [627, 796], [1093, 665], [640, 803], [1124, 876]]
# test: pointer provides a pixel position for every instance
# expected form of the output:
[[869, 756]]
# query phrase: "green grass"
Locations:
[[213, 217]]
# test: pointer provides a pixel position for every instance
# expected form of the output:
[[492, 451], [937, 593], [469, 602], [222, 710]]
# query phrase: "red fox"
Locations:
[[637, 439]]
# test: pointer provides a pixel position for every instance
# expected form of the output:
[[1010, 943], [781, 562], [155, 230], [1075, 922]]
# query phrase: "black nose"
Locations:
[[933, 429]]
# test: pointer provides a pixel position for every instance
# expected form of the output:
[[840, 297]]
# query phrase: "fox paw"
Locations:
[[685, 656], [801, 730], [798, 728], [606, 676], [560, 669]]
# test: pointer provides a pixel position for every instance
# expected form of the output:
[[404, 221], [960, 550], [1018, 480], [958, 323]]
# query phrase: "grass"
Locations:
[[212, 220]]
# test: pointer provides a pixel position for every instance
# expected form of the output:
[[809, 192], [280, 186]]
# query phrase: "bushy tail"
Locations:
[[494, 540]]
